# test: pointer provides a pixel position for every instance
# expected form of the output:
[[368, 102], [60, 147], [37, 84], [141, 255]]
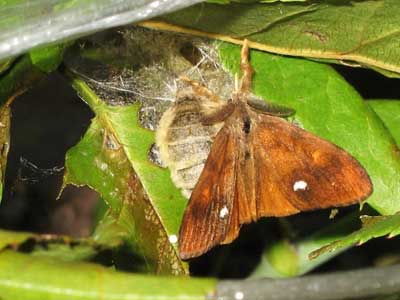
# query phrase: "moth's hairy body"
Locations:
[[184, 142]]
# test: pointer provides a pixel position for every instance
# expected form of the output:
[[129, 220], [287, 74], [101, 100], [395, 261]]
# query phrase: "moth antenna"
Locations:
[[200, 89], [247, 69]]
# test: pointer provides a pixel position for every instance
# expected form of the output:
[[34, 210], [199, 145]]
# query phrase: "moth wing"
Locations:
[[257, 186], [211, 216], [302, 170]]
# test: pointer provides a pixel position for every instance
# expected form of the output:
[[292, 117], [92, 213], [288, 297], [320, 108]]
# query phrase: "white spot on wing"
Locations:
[[223, 212], [239, 295], [173, 239], [300, 185]]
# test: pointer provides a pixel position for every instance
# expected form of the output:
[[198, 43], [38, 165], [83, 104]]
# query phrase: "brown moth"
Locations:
[[261, 165]]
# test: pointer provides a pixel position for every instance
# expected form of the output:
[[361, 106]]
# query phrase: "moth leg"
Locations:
[[219, 115], [213, 109], [246, 67], [200, 89]]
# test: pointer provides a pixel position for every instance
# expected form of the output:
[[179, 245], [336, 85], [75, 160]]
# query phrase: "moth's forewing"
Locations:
[[302, 171], [210, 215], [257, 190], [275, 169]]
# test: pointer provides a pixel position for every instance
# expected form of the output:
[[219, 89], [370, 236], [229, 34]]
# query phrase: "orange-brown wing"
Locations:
[[257, 187], [298, 171], [210, 216]]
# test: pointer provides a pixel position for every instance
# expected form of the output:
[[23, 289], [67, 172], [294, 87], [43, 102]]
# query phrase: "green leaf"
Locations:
[[329, 107], [112, 158], [281, 259], [13, 239], [21, 76], [389, 112], [334, 30], [47, 245], [5, 122], [47, 59], [5, 64], [296, 252], [67, 251], [373, 227], [25, 277], [109, 231]]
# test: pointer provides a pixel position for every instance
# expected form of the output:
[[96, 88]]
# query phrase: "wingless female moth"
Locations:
[[261, 165]]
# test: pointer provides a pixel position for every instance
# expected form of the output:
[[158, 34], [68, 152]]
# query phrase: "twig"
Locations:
[[339, 285]]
